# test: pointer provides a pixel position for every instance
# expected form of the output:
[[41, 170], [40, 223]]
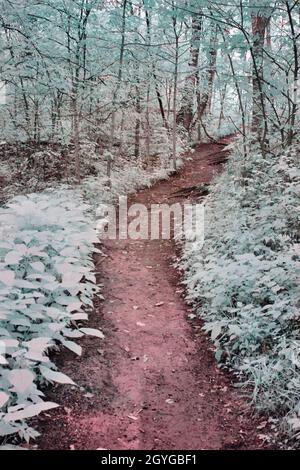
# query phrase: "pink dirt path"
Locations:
[[153, 382]]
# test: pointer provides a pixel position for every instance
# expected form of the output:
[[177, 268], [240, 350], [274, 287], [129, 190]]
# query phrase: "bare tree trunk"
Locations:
[[159, 98], [294, 107], [259, 117], [268, 36], [240, 98], [222, 101], [121, 132], [185, 114], [168, 96], [137, 122], [156, 86], [36, 130], [205, 98], [76, 139], [148, 123], [116, 91], [174, 130]]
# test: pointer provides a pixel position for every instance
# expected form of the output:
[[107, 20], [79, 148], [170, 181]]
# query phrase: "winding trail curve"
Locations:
[[153, 383]]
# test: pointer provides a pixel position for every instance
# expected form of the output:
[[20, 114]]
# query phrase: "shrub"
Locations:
[[244, 280], [46, 288]]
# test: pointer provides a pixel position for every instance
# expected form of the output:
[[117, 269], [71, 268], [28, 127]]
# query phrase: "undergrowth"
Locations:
[[244, 281]]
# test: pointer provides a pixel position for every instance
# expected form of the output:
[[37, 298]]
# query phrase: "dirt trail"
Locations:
[[153, 383]]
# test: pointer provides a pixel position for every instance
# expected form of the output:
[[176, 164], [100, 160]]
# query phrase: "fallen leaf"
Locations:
[[191, 316], [263, 437], [262, 425], [133, 417]]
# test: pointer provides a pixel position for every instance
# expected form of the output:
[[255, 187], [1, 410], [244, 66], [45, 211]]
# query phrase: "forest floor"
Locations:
[[153, 383]]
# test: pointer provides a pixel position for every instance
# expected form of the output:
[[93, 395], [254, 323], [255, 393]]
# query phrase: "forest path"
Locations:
[[153, 382]]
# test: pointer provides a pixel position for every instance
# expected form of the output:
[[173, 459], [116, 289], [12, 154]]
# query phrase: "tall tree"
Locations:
[[186, 112], [260, 20]]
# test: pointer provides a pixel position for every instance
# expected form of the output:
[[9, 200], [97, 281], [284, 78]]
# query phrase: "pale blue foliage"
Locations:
[[244, 281], [46, 287]]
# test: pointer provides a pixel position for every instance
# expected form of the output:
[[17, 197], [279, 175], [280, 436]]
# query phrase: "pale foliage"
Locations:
[[244, 281], [46, 288]]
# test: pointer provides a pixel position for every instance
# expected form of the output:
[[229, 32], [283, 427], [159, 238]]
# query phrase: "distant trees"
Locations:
[[136, 77]]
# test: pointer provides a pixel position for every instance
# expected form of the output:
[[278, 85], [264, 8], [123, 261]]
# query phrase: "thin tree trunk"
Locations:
[[186, 112], [121, 132], [174, 130], [116, 92], [294, 107], [137, 122], [157, 91], [205, 98], [36, 133], [168, 97], [240, 99], [76, 139], [259, 117], [222, 101], [148, 123]]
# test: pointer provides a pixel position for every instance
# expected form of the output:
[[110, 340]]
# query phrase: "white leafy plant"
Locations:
[[46, 287], [244, 281]]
